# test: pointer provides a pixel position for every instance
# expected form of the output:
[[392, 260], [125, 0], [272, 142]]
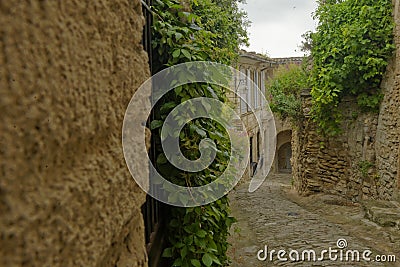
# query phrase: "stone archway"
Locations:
[[283, 153], [284, 156]]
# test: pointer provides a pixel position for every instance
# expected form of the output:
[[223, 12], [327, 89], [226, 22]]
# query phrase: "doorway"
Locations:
[[284, 156]]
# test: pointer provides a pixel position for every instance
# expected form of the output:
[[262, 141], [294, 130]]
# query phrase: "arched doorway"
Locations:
[[284, 156], [283, 153]]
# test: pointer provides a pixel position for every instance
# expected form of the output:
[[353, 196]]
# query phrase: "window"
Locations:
[[258, 145], [255, 90], [262, 87], [242, 91], [248, 89]]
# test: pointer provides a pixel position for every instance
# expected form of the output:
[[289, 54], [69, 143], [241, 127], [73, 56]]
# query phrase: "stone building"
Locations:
[[250, 86], [67, 72], [260, 69], [284, 129]]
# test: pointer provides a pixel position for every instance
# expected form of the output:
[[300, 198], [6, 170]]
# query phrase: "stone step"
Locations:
[[383, 213]]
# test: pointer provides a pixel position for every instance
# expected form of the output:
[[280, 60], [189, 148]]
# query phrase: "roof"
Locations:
[[286, 60], [256, 58]]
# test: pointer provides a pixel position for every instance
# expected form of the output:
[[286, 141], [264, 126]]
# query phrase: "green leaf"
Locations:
[[213, 246], [180, 245], [161, 159], [167, 106], [183, 252], [207, 260], [176, 53], [201, 233], [174, 223], [178, 36], [177, 262], [195, 263], [178, 90], [200, 242], [215, 259], [186, 53], [155, 124], [167, 253], [201, 132], [212, 92]]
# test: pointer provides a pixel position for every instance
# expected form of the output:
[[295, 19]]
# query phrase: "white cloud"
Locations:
[[277, 25]]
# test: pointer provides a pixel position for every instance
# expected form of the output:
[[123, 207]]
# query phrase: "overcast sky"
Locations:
[[277, 25]]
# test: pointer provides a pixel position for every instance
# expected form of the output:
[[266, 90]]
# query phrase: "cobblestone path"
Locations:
[[268, 217]]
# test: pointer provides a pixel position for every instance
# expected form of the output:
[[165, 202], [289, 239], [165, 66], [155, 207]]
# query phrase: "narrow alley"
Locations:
[[276, 217]]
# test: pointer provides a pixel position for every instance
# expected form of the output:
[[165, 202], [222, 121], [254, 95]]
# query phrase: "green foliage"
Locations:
[[350, 52], [204, 31], [364, 167], [228, 24], [284, 90], [197, 236], [211, 30]]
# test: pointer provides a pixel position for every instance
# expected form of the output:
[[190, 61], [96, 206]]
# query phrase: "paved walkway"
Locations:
[[276, 217]]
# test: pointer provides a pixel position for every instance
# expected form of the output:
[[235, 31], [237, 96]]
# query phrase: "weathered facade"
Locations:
[[259, 69], [255, 69], [67, 72]]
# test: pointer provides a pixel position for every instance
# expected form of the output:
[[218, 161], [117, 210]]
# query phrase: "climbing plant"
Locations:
[[185, 31], [350, 51], [284, 90]]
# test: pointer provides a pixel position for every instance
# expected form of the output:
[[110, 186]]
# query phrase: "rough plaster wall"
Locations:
[[68, 70], [387, 141]]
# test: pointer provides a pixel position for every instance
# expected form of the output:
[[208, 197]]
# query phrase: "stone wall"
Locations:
[[362, 162], [387, 139], [67, 72], [338, 165]]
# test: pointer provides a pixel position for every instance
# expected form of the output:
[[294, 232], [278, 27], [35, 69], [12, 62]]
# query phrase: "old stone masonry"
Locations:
[[276, 218]]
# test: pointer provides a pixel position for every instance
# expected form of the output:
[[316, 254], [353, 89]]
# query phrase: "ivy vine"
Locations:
[[185, 31], [350, 51]]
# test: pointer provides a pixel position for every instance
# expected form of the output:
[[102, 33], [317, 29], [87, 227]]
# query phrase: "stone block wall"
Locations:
[[67, 72]]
